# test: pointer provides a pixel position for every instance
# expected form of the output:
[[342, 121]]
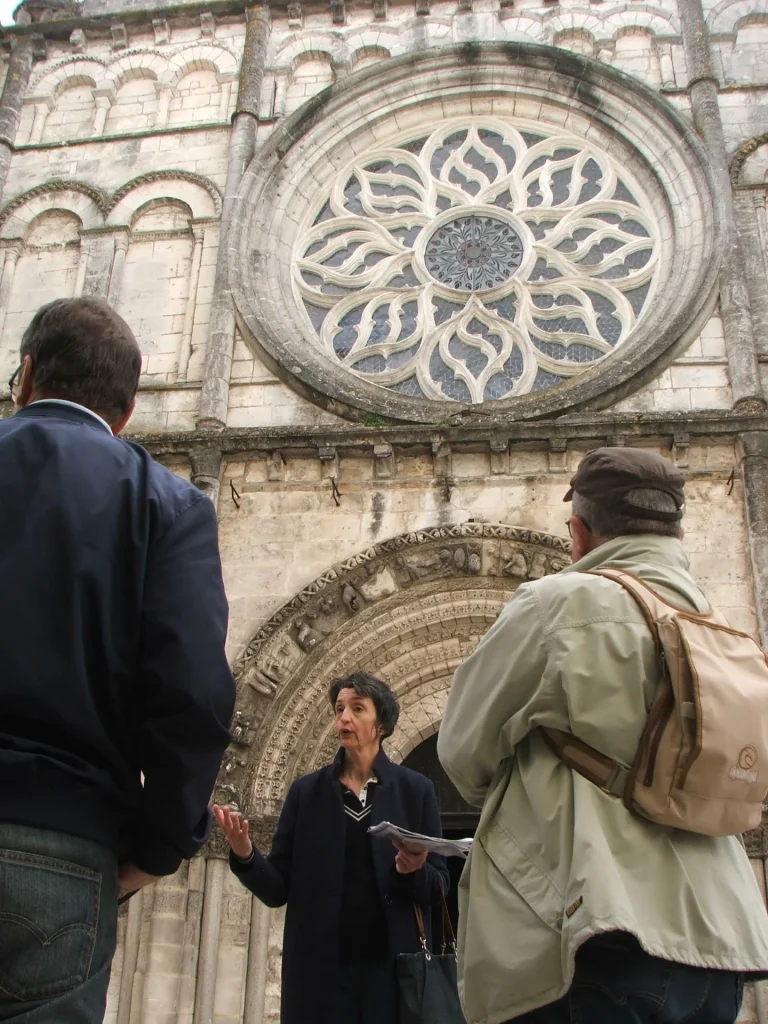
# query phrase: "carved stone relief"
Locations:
[[411, 609]]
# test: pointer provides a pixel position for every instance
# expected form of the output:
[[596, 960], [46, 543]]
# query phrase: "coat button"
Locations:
[[388, 900]]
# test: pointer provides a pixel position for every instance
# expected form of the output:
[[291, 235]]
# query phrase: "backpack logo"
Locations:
[[745, 771]]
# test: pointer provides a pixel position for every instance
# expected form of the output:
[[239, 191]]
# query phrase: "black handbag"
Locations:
[[427, 982]]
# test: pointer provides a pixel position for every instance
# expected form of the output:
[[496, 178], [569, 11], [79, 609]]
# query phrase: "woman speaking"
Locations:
[[350, 898]]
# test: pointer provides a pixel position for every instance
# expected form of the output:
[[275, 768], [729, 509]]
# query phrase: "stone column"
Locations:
[[82, 267], [755, 473], [164, 96], [205, 991], [748, 205], [214, 399], [189, 312], [206, 471], [98, 269], [281, 91], [130, 957], [226, 95], [6, 280], [667, 68], [11, 100], [118, 265], [104, 98], [43, 108], [256, 976], [734, 297]]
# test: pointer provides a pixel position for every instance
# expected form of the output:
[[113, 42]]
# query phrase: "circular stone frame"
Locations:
[[525, 80]]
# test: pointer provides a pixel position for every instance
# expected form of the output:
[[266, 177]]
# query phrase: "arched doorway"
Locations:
[[458, 818], [409, 610]]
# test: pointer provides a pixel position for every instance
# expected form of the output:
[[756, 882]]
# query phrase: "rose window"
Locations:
[[482, 261]]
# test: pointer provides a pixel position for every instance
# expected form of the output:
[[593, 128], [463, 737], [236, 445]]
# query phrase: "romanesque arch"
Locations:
[[410, 610]]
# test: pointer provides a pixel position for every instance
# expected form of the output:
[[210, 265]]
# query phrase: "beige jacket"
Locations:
[[555, 859]]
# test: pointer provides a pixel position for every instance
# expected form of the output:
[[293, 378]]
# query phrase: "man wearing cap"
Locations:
[[572, 909]]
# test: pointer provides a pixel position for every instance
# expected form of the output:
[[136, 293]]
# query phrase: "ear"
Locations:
[[26, 383], [583, 540], [120, 424]]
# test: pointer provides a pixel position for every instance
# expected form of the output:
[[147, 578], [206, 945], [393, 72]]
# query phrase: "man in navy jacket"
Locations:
[[115, 692]]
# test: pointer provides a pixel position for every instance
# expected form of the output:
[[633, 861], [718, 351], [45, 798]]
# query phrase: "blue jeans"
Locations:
[[58, 926], [617, 982]]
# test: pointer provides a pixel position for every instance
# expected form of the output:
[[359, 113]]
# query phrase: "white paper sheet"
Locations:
[[415, 842]]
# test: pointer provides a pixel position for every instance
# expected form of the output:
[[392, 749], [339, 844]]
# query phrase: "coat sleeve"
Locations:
[[495, 698], [185, 695], [424, 886], [269, 878]]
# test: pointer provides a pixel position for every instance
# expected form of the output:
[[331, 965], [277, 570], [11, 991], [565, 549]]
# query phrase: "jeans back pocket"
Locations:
[[49, 910]]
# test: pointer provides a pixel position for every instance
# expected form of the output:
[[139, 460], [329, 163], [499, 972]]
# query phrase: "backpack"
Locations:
[[702, 761]]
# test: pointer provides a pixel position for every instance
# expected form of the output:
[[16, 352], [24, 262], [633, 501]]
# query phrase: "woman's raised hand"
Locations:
[[235, 831]]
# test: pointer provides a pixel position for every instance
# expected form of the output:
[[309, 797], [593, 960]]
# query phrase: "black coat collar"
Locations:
[[382, 766]]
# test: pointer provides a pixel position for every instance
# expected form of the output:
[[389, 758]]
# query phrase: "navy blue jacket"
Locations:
[[305, 869], [113, 619]]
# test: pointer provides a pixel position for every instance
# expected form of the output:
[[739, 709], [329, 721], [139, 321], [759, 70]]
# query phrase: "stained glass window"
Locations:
[[486, 260]]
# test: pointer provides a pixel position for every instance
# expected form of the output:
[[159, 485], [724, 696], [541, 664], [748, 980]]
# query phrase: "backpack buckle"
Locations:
[[616, 781]]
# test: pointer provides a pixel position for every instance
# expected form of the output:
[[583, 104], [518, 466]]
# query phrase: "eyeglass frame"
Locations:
[[13, 380], [583, 522]]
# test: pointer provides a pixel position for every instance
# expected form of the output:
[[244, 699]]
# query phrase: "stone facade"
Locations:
[[394, 268]]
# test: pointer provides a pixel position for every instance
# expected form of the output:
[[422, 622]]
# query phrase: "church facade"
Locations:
[[395, 266]]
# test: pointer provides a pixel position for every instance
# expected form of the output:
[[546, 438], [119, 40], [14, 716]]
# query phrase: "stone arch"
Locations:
[[418, 33], [202, 57], [84, 201], [749, 164], [372, 39], [524, 28], [724, 19], [638, 16], [577, 40], [366, 55], [134, 64], [559, 26], [321, 45], [65, 74], [198, 193], [409, 609]]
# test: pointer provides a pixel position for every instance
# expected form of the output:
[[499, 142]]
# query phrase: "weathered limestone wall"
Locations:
[[107, 108], [289, 530], [115, 187]]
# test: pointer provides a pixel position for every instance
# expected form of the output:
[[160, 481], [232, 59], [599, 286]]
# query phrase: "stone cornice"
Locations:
[[61, 28], [612, 428]]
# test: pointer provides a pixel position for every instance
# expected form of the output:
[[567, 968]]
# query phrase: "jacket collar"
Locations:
[[644, 548], [60, 409], [382, 766]]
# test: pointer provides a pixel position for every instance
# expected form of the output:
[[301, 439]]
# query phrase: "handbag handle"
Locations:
[[447, 927], [422, 930]]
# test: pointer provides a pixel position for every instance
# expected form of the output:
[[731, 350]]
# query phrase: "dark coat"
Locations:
[[112, 626], [305, 869]]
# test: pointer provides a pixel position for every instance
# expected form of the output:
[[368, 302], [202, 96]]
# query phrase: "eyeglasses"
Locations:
[[13, 381], [583, 522]]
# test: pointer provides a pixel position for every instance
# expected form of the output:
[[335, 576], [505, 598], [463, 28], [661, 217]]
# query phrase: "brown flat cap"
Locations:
[[606, 475]]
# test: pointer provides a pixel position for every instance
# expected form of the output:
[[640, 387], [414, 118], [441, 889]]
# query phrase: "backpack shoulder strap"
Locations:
[[648, 601], [599, 769]]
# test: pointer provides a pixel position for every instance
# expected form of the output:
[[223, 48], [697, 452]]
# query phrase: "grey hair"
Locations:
[[607, 523]]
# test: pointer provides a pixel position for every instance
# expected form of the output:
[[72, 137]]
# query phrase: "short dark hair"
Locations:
[[606, 522], [84, 352], [383, 696]]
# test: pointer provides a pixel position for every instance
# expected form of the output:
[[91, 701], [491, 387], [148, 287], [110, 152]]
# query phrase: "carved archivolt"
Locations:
[[410, 610]]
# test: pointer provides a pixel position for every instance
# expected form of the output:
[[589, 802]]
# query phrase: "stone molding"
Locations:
[[743, 153], [107, 202], [311, 146], [386, 609]]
